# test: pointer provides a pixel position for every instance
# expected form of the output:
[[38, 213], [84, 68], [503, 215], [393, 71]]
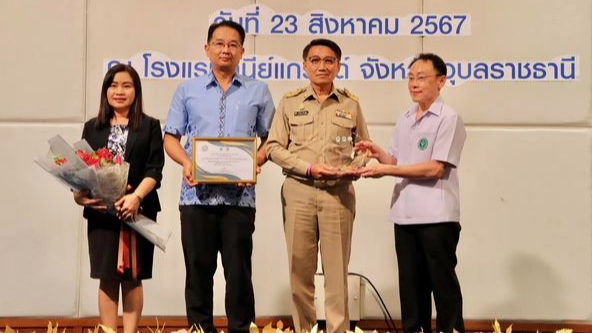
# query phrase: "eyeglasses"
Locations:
[[421, 78], [232, 46], [316, 61]]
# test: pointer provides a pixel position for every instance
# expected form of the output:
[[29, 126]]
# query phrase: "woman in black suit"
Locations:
[[119, 256]]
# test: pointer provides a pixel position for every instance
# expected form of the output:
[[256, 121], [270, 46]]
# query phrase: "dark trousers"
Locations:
[[426, 255], [205, 230]]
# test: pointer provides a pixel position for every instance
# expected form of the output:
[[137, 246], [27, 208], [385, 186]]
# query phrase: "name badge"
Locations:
[[343, 114], [300, 113]]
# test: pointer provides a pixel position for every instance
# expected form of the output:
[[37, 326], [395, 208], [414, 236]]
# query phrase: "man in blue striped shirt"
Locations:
[[218, 218]]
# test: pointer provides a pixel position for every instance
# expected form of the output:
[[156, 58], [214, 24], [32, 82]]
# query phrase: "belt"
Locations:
[[319, 183]]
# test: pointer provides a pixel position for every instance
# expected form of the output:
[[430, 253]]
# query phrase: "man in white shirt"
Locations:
[[424, 154]]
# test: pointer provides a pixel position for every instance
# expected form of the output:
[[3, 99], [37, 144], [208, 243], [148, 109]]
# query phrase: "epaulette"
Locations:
[[295, 92], [348, 94]]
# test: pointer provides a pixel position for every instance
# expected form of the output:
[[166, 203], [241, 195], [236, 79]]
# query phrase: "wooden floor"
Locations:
[[149, 324]]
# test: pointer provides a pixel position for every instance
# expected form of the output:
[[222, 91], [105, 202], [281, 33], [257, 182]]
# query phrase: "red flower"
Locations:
[[104, 153], [60, 160], [100, 158]]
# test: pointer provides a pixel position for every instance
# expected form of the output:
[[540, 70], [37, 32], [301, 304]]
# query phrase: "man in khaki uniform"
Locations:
[[311, 138]]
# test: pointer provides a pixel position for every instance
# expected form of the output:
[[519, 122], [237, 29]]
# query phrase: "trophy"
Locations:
[[349, 162]]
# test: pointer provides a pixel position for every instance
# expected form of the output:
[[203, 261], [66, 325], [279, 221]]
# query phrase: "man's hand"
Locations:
[[258, 170], [350, 174], [375, 170], [370, 148], [322, 171], [188, 175]]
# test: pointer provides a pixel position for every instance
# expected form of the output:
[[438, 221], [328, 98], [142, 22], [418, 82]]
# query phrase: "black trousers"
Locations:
[[205, 231], [426, 255]]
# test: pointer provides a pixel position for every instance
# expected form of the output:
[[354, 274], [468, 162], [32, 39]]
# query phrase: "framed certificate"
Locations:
[[224, 160]]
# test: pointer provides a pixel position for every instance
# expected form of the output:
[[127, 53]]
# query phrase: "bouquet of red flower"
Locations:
[[79, 167], [111, 173], [99, 158]]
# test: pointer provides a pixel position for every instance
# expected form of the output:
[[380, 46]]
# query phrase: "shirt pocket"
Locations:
[[301, 129], [244, 119], [343, 128], [422, 146]]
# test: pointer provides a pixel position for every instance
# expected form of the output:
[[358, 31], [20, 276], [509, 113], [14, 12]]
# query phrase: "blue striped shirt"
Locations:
[[195, 112]]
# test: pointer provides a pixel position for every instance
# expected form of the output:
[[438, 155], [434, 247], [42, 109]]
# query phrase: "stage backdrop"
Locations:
[[519, 76]]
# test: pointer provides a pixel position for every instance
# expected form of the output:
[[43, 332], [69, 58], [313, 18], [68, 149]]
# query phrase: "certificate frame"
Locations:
[[225, 160]]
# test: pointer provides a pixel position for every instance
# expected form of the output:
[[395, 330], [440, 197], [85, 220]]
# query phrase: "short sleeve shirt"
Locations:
[[438, 135], [195, 112], [306, 131]]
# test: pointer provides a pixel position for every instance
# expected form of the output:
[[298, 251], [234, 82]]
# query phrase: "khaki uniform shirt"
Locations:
[[305, 131]]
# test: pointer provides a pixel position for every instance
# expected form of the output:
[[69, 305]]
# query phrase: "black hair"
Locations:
[[136, 110], [230, 24], [437, 62], [322, 42]]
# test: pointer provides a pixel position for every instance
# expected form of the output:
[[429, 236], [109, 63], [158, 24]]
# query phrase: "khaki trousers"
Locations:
[[314, 215]]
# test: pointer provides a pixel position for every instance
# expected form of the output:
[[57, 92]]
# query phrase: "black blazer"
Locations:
[[144, 152]]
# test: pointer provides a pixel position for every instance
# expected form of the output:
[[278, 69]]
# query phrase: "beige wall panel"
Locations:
[[509, 30], [177, 29], [373, 243], [165, 292], [378, 98], [43, 47], [41, 227], [525, 249], [270, 257], [497, 233]]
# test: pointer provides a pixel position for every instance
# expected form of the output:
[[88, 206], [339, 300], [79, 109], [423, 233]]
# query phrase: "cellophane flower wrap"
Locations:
[[111, 174], [80, 167]]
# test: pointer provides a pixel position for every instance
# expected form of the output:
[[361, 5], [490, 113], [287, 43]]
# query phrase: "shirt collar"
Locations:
[[309, 93], [435, 108], [237, 80]]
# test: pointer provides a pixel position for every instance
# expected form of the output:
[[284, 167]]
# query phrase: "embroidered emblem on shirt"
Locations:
[[422, 144], [300, 113], [350, 95], [295, 92], [343, 114]]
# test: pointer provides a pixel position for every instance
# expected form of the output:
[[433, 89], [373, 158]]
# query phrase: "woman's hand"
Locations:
[[127, 207], [82, 199]]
